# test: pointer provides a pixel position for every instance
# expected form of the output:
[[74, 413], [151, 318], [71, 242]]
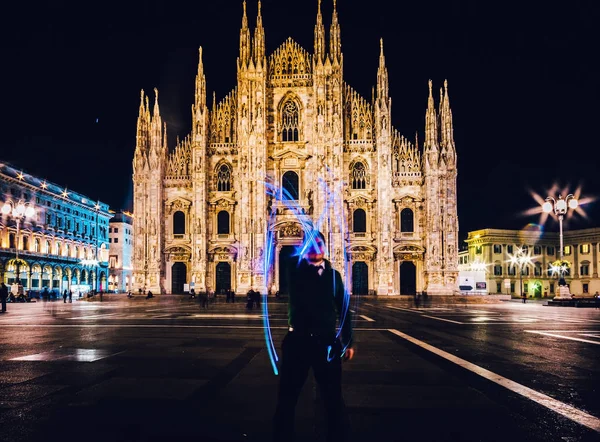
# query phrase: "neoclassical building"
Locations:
[[201, 210], [491, 250], [50, 237]]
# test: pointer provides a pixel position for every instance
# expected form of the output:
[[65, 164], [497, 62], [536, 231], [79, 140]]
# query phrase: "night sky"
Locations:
[[522, 80]]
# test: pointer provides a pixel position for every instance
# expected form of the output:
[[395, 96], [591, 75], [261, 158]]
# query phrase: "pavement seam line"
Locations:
[[568, 411]]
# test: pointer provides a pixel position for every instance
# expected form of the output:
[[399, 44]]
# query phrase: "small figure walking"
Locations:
[[597, 299], [70, 296], [204, 299], [524, 296], [65, 296], [192, 293], [3, 296]]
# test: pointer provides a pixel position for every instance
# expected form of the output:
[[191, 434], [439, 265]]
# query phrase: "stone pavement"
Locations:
[[102, 379]]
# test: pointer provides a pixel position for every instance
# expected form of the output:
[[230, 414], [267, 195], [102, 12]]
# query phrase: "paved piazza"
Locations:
[[165, 369]]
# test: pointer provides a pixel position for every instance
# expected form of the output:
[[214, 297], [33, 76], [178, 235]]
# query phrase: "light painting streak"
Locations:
[[333, 203]]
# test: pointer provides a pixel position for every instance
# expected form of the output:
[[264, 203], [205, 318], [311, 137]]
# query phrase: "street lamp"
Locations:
[[560, 207], [19, 211], [520, 259]]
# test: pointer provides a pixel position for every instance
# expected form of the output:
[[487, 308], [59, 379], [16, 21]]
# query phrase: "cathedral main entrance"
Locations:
[[286, 263], [223, 277], [408, 278], [360, 278], [178, 277]]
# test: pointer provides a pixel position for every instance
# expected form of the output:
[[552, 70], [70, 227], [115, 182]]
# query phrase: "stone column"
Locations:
[[594, 260], [575, 273]]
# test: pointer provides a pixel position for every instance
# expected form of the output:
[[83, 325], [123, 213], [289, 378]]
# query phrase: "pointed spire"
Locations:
[[200, 84], [319, 36], [142, 126], [156, 110], [259, 38], [431, 131], [447, 126], [382, 76], [244, 39], [335, 42]]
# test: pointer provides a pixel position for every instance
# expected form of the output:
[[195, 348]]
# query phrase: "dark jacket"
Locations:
[[317, 302], [3, 291]]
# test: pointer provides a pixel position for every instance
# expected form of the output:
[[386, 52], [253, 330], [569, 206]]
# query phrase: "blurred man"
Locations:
[[315, 302]]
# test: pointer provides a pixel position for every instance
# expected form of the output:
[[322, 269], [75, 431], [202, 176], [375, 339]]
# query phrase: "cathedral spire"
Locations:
[[431, 132], [200, 83], [142, 127], [156, 110], [319, 36], [259, 39], [335, 43], [244, 39], [447, 126], [382, 76]]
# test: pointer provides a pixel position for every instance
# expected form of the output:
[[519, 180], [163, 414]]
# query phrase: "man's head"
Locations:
[[316, 248]]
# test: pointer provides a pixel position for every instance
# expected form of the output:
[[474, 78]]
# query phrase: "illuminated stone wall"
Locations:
[[292, 113]]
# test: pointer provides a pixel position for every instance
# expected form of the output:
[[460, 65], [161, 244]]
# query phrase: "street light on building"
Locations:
[[521, 259], [19, 211], [560, 207]]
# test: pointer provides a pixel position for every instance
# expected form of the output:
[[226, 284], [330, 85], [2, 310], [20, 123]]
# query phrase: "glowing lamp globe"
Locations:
[[6, 208], [561, 205], [573, 203], [29, 212], [547, 207]]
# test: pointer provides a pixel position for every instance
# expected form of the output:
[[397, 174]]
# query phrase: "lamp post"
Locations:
[[97, 207], [19, 211], [560, 208], [520, 259]]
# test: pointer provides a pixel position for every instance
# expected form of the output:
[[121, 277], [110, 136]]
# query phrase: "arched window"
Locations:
[[179, 223], [48, 247], [57, 250], [359, 221], [289, 121], [537, 270], [25, 243], [223, 222], [359, 176], [407, 223], [497, 269], [36, 246], [289, 182], [11, 241], [224, 178]]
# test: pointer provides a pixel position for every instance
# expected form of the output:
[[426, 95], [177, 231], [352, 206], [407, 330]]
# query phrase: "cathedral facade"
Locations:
[[201, 210]]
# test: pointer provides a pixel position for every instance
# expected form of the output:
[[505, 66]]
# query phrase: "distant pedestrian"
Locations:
[[101, 293], [232, 295], [524, 296], [192, 294], [3, 296], [149, 295], [65, 296], [204, 299], [250, 299], [70, 296], [597, 299]]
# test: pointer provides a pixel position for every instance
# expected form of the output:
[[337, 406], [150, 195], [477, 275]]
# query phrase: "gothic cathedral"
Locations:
[[201, 210]]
